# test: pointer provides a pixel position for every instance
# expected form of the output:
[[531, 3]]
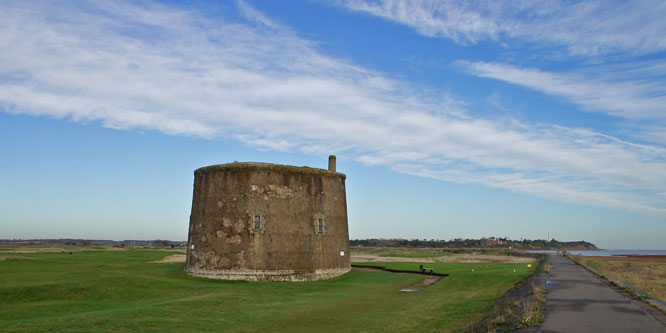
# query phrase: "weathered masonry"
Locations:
[[260, 221]]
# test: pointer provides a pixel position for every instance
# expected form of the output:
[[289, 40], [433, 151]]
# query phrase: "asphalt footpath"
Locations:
[[577, 301]]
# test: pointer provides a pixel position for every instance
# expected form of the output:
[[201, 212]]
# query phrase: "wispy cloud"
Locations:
[[155, 67], [582, 28], [608, 47], [633, 91]]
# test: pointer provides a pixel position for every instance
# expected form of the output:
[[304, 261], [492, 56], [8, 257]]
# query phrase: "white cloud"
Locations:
[[568, 191], [634, 92], [583, 28], [605, 39], [156, 67]]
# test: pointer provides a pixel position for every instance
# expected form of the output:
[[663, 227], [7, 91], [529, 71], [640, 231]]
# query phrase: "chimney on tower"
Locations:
[[331, 163]]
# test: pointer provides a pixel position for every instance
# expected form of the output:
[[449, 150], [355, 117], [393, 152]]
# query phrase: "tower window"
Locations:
[[320, 225], [257, 222]]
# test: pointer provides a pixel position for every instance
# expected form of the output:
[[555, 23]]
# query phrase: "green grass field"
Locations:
[[403, 253], [121, 290]]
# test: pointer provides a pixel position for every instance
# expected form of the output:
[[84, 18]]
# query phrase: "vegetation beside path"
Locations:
[[642, 276], [121, 290]]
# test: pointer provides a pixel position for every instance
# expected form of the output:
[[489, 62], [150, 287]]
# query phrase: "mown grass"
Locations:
[[403, 252], [120, 290]]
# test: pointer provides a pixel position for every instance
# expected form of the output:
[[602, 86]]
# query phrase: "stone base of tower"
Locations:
[[268, 275]]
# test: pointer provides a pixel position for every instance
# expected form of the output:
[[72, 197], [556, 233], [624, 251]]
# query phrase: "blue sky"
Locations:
[[451, 119]]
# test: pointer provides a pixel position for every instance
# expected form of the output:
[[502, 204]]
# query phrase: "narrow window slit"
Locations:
[[257, 222]]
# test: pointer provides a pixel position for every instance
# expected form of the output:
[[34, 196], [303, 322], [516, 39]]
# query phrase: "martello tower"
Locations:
[[260, 221]]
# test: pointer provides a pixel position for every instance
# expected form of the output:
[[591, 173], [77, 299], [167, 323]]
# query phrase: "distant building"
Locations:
[[260, 221]]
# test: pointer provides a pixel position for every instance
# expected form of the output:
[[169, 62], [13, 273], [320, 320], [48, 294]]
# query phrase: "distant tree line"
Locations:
[[491, 242]]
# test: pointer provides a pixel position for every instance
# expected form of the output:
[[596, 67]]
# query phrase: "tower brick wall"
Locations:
[[259, 221]]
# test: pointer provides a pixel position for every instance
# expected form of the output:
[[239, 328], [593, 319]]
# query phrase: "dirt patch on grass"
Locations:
[[3, 258], [181, 250], [172, 259], [429, 281], [425, 283]]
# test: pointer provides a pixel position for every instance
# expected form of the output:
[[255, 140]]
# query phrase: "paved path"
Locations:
[[577, 301]]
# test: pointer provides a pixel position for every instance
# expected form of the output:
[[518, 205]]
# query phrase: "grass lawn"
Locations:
[[403, 252], [121, 290]]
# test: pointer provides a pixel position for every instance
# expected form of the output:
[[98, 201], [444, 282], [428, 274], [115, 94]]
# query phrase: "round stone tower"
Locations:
[[268, 222]]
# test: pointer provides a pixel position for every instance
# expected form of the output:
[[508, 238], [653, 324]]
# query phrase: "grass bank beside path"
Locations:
[[643, 273], [121, 290]]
